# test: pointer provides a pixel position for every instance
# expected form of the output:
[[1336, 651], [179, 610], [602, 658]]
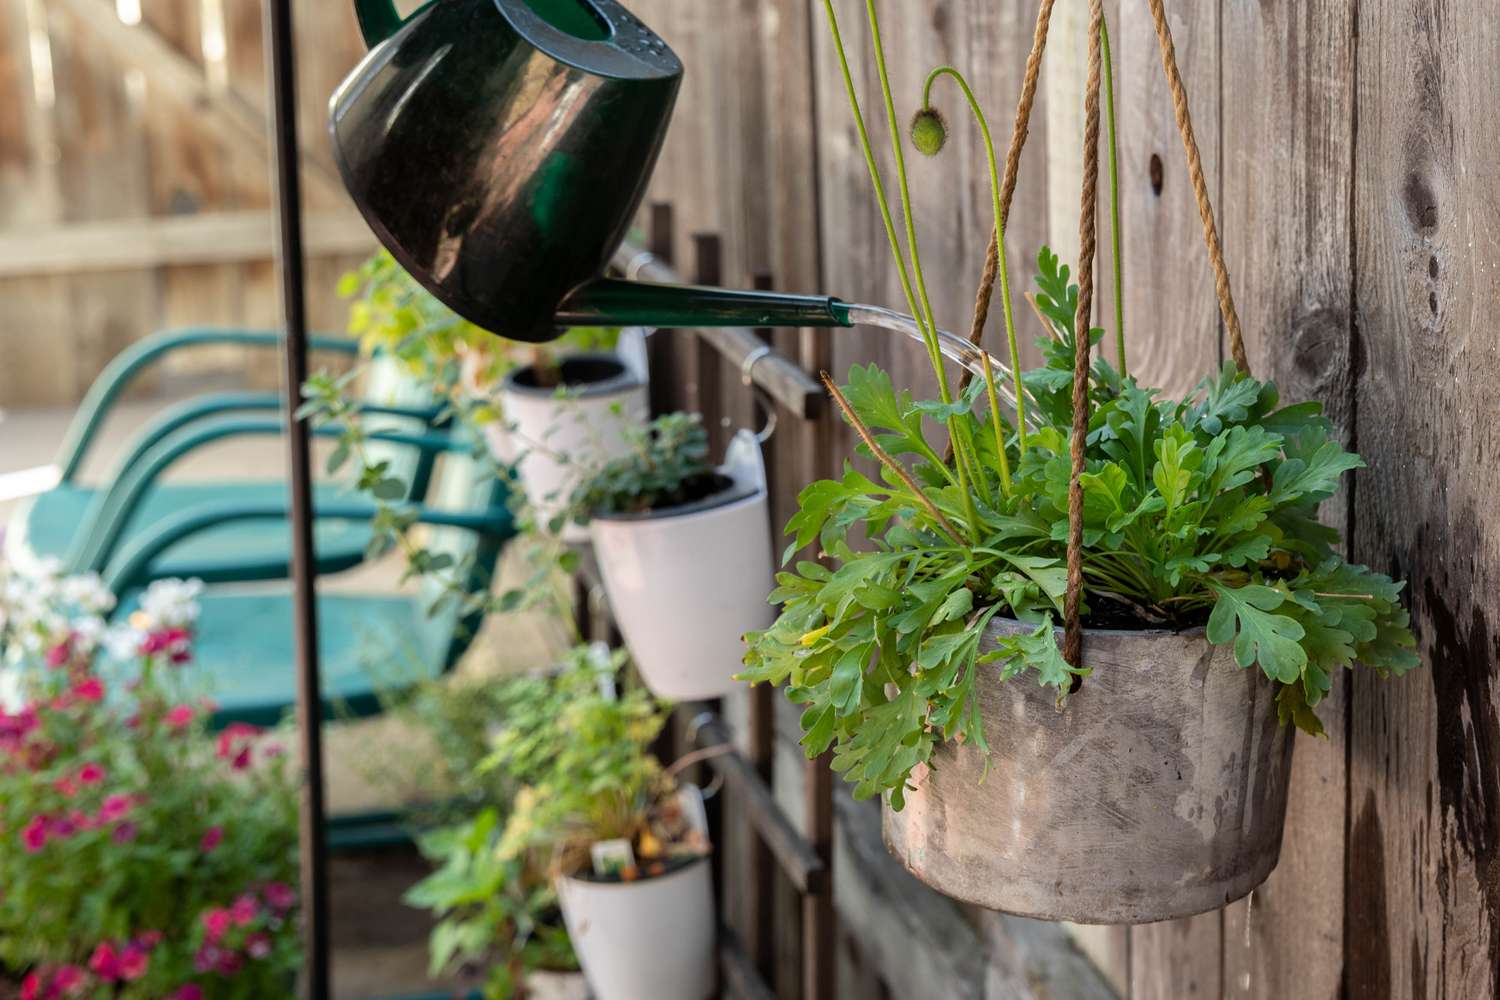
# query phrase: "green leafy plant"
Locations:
[[1198, 511], [667, 465], [568, 766], [590, 776], [139, 858]]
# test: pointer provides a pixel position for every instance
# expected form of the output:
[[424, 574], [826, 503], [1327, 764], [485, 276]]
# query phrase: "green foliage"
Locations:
[[1196, 511], [137, 858], [666, 465]]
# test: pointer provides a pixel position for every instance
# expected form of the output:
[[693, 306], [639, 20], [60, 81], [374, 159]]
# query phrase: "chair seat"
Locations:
[[243, 653], [244, 550]]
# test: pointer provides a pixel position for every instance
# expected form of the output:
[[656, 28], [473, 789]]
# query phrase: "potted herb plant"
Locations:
[[685, 552], [624, 841], [1138, 772], [554, 411], [565, 415]]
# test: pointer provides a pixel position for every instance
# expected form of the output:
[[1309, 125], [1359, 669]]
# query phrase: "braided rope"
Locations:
[[1019, 132], [1087, 238], [1200, 185]]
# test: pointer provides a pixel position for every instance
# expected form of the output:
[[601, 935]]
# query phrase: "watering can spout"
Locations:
[[611, 302], [500, 149]]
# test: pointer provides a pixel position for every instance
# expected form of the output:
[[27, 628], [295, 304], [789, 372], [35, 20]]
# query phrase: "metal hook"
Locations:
[[767, 404], [639, 263]]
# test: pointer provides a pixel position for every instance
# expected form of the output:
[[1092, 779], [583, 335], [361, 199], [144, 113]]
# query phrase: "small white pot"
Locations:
[[685, 584], [556, 439], [651, 939]]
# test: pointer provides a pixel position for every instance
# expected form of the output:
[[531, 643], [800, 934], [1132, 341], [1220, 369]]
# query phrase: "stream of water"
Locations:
[[953, 347]]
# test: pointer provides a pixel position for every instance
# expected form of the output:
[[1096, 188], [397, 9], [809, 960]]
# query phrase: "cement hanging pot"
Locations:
[[1158, 792], [686, 583], [557, 436], [650, 939]]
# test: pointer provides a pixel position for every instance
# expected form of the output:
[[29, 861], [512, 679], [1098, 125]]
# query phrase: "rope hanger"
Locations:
[[1088, 233]]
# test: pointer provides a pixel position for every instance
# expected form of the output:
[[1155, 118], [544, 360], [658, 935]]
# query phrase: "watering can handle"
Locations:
[[378, 20]]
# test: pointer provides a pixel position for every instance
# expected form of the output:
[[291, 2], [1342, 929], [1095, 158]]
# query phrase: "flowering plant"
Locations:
[[138, 857]]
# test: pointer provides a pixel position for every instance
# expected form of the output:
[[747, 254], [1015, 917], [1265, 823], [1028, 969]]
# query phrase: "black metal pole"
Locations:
[[304, 570]]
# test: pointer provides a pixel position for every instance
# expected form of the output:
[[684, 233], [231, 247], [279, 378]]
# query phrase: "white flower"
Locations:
[[88, 594], [172, 603], [123, 643]]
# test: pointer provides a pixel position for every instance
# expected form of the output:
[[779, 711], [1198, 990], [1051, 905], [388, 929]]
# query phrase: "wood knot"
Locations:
[[1158, 175], [1420, 202]]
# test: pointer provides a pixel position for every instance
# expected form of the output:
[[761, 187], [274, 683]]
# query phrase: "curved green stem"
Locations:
[[905, 188], [1114, 194], [1005, 296]]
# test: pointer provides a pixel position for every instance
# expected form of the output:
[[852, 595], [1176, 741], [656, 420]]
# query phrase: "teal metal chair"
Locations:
[[82, 525], [371, 645]]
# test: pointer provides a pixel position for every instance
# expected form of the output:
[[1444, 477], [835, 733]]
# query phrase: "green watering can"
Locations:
[[500, 148]]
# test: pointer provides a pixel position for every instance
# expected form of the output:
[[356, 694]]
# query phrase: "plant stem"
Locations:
[[905, 191], [928, 337], [1114, 194], [1005, 296], [884, 458], [989, 384]]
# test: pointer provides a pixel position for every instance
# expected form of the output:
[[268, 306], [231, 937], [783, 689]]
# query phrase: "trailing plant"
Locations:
[[667, 465], [1196, 511], [139, 857]]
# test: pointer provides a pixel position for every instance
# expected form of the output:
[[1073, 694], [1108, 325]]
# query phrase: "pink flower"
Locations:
[[31, 987], [212, 837], [80, 820], [180, 716], [258, 945], [66, 786], [133, 962], [207, 958], [168, 640], [60, 654], [90, 689], [229, 963], [234, 744], [280, 895], [69, 981], [124, 833], [90, 774], [34, 836], [148, 939], [245, 910], [216, 922], [61, 828], [105, 963], [115, 807], [188, 991]]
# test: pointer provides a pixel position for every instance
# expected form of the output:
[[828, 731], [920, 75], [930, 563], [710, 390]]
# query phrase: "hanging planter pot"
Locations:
[[1158, 792], [557, 435], [686, 583], [649, 939]]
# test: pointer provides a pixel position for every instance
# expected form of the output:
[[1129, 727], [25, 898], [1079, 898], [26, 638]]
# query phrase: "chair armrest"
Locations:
[[128, 364], [132, 567], [111, 511], [195, 410]]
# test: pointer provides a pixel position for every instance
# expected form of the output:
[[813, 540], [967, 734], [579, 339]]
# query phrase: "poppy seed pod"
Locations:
[[929, 131]]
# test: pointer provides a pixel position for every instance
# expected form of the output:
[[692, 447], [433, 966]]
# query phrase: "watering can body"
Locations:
[[500, 149]]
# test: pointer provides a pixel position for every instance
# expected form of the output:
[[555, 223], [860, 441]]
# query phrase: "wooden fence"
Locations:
[[1351, 149], [135, 180]]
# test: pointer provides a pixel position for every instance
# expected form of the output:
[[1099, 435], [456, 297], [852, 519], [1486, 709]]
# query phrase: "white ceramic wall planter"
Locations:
[[652, 939], [685, 584], [557, 439]]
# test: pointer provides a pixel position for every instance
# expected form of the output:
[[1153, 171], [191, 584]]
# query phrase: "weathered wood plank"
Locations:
[[1171, 313], [1424, 900], [1172, 327], [1288, 159], [144, 243]]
